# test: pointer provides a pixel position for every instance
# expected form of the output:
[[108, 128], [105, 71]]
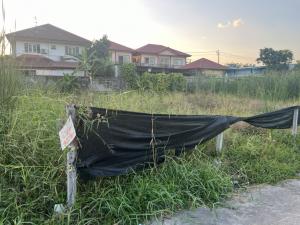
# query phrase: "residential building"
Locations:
[[120, 54], [204, 67], [47, 50], [154, 56]]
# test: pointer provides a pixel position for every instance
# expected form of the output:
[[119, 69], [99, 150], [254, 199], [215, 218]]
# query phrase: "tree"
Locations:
[[273, 59], [99, 57]]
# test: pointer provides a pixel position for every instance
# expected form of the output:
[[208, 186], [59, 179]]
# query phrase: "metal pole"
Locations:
[[71, 164], [219, 142], [295, 122]]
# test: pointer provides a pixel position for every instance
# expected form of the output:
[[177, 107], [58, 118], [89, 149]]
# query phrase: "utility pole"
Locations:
[[218, 54], [35, 21]]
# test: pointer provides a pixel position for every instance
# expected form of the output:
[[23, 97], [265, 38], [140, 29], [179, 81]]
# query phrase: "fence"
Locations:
[[201, 128]]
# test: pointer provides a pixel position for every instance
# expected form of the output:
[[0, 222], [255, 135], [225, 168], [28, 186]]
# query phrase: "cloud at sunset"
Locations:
[[237, 23], [234, 23]]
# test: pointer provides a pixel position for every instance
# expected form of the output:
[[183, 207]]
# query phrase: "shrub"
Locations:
[[69, 83], [128, 73], [161, 82]]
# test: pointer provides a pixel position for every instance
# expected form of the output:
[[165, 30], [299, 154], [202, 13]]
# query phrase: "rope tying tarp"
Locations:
[[114, 142]]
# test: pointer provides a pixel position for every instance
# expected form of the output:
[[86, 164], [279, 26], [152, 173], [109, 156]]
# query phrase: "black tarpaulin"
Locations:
[[114, 142]]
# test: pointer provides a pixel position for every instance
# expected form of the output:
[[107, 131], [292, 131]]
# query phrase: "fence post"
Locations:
[[71, 163], [295, 122], [219, 142]]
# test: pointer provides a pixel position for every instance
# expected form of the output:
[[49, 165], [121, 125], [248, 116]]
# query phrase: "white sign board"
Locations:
[[67, 134]]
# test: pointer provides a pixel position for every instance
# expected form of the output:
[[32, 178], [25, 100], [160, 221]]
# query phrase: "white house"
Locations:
[[152, 55], [47, 50]]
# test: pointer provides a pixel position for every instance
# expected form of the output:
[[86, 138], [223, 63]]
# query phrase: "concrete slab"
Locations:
[[258, 205]]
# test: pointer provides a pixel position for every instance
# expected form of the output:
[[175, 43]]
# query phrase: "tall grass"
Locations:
[[32, 166], [271, 86], [9, 77], [10, 85], [33, 178]]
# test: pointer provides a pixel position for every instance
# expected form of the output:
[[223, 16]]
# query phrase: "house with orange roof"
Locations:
[[204, 66], [153, 56], [120, 54]]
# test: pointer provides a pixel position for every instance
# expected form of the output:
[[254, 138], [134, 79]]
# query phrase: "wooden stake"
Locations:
[[295, 122], [71, 164], [219, 142]]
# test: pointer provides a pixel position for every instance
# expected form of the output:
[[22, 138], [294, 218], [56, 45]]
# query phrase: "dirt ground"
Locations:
[[258, 205]]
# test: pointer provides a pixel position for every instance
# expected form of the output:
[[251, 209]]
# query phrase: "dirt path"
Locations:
[[259, 205]]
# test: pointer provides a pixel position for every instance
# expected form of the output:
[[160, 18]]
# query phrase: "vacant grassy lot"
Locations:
[[32, 166]]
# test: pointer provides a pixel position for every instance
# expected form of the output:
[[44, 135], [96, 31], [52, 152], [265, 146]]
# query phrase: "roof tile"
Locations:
[[204, 64], [118, 47], [48, 32], [156, 49]]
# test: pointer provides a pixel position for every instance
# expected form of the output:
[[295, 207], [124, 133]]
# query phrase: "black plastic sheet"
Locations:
[[114, 142]]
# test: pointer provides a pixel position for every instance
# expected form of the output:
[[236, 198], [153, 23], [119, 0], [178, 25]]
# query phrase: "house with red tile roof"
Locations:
[[47, 50], [204, 67], [159, 56], [119, 53]]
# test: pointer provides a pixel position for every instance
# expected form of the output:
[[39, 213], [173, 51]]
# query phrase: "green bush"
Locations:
[[128, 73], [161, 82], [69, 83]]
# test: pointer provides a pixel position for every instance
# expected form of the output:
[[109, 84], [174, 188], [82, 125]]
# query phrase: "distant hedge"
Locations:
[[162, 82], [157, 82]]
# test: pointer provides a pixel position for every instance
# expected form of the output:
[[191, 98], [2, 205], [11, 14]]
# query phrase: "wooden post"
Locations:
[[295, 122], [71, 163], [219, 142]]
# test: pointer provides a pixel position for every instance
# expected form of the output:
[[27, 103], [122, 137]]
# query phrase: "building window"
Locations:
[[53, 47], [70, 50], [123, 59], [29, 47], [165, 61], [178, 62], [32, 48], [26, 47], [147, 60]]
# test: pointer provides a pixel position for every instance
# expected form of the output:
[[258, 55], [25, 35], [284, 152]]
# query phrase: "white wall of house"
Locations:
[[127, 56], [52, 50], [57, 72]]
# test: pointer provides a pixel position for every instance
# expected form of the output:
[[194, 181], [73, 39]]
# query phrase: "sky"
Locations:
[[238, 28]]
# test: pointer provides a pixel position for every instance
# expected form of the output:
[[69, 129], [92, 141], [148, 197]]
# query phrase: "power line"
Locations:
[[236, 55], [200, 52]]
